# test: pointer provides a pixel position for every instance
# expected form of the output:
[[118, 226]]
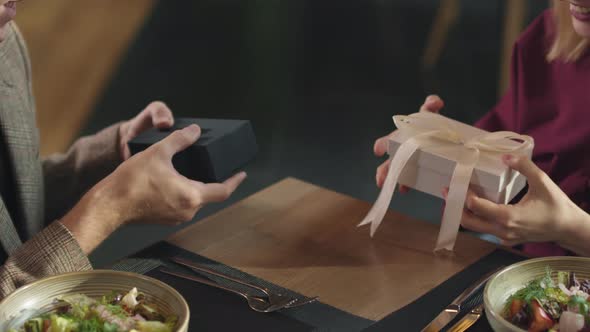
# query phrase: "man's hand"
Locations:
[[145, 189], [155, 115]]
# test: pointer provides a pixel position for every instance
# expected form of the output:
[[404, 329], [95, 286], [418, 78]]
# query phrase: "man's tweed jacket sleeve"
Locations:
[[45, 189], [52, 251]]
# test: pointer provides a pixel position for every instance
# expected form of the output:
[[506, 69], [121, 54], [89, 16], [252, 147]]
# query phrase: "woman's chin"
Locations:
[[582, 28]]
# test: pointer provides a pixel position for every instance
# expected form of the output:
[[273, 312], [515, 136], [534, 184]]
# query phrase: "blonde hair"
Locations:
[[568, 45]]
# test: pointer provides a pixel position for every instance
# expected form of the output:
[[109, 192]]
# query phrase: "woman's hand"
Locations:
[[155, 115], [146, 188], [432, 104], [545, 213]]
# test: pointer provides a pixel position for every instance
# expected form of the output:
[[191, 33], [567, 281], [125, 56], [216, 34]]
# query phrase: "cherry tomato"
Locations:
[[540, 321]]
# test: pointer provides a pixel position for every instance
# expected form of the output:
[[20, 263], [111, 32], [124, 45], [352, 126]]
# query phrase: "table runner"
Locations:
[[220, 310], [213, 309]]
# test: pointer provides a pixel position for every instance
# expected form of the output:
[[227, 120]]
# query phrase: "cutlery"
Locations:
[[454, 308], [468, 320], [257, 303], [273, 297]]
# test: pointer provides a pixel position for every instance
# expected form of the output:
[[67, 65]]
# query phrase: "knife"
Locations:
[[454, 308], [469, 319]]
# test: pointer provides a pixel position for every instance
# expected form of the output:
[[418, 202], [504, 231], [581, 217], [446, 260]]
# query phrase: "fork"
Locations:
[[257, 303], [272, 296]]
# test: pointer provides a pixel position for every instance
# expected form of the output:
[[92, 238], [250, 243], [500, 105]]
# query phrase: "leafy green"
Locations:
[[547, 280], [532, 291], [91, 325], [117, 310], [80, 305], [563, 277], [557, 294], [545, 291], [535, 290], [63, 324], [112, 298], [108, 327], [84, 314], [580, 303], [553, 300]]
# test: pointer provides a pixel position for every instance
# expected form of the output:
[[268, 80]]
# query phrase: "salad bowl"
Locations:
[[28, 299], [515, 277]]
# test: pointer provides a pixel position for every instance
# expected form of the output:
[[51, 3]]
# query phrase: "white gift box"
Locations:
[[430, 152], [430, 168]]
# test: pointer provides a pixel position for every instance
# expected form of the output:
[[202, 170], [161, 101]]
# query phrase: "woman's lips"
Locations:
[[581, 13]]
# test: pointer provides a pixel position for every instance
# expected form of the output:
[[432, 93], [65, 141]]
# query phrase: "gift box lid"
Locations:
[[440, 156]]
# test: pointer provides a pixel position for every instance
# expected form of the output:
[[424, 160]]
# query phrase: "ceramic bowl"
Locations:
[[514, 277], [94, 284]]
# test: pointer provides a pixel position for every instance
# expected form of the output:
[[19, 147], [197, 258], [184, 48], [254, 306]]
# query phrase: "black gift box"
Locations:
[[223, 148]]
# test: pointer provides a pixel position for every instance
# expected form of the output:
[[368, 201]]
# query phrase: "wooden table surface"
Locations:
[[305, 238]]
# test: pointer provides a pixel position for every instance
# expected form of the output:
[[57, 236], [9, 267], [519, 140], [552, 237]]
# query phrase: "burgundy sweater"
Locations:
[[551, 103]]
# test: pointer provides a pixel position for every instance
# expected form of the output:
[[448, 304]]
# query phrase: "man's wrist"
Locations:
[[93, 218]]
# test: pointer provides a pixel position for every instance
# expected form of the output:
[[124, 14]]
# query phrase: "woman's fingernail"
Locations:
[[507, 158], [161, 112], [431, 98], [193, 129]]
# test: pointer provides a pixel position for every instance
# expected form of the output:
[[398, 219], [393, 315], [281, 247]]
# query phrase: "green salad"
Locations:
[[557, 302], [112, 313]]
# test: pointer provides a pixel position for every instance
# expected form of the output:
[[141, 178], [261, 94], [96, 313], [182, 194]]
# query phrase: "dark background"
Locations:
[[319, 79]]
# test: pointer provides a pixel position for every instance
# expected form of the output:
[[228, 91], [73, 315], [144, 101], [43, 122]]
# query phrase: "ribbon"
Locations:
[[428, 129]]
